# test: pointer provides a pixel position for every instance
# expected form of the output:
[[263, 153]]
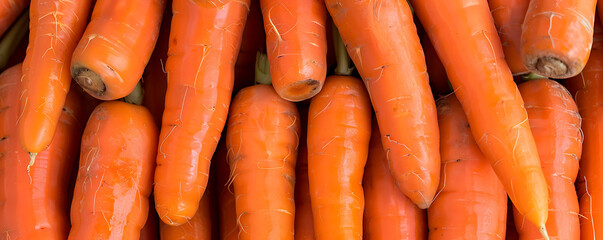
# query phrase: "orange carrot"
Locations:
[[204, 39], [197, 228], [587, 89], [115, 174], [555, 124], [381, 38], [482, 81], [34, 205], [508, 17], [296, 42], [388, 214], [116, 46], [55, 27], [9, 11], [557, 36], [304, 222], [471, 201], [262, 140], [226, 201]]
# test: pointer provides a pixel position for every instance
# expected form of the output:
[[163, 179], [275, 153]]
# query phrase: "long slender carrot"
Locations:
[[262, 140], [304, 222], [296, 42], [115, 175], [555, 124], [557, 36], [381, 38], [34, 205], [508, 17], [200, 68], [587, 89], [9, 11], [465, 38], [388, 214], [471, 201], [197, 228], [111, 55], [55, 27]]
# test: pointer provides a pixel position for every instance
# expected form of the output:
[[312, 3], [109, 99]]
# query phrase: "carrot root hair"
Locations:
[[543, 231], [89, 80], [32, 160]]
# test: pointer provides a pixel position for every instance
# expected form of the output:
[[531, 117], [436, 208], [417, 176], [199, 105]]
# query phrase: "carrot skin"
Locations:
[[474, 61], [35, 204], [200, 71], [508, 17], [557, 36], [388, 55], [388, 214], [262, 142], [115, 173], [471, 201], [55, 27], [197, 228], [339, 129], [9, 11], [111, 56]]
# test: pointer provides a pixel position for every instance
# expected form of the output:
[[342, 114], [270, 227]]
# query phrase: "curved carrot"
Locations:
[[555, 124], [55, 27], [262, 139], [200, 67], [388, 214], [381, 38], [483, 83], [471, 201], [9, 11], [35, 204], [197, 228], [304, 222], [508, 17], [588, 92], [115, 174], [116, 46], [296, 42], [557, 36]]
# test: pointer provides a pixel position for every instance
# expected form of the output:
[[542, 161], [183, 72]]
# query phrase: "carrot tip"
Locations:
[[543, 231], [32, 160], [88, 80], [551, 67]]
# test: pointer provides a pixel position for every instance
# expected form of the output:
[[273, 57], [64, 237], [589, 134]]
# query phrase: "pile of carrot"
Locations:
[[301, 119]]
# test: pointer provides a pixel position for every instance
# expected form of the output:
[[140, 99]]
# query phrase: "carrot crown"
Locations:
[[341, 54], [136, 96], [262, 69]]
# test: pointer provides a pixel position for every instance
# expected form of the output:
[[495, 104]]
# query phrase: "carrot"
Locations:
[[200, 68], [587, 89], [55, 26], [508, 17], [482, 82], [296, 42], [471, 201], [34, 204], [197, 228], [262, 141], [150, 230], [115, 176], [9, 11], [555, 124], [255, 41], [304, 222], [111, 55], [381, 38], [388, 214], [557, 36], [226, 202]]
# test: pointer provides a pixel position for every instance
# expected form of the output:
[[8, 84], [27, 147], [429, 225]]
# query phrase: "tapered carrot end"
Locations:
[[544, 233], [89, 80], [32, 160]]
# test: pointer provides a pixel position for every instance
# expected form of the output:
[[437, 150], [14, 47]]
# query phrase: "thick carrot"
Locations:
[[9, 11], [508, 17], [471, 201], [55, 27], [262, 139], [557, 36], [197, 228], [296, 43], [555, 124], [111, 55], [388, 214], [381, 38], [304, 222], [35, 204], [150, 230], [465, 38], [587, 89], [204, 41], [115, 176]]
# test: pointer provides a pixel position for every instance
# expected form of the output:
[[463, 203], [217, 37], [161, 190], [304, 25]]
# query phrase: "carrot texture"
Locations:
[[197, 228]]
